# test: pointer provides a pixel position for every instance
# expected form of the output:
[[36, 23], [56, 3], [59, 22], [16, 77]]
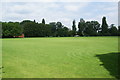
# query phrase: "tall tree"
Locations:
[[81, 27], [74, 28], [104, 27], [43, 21], [34, 21]]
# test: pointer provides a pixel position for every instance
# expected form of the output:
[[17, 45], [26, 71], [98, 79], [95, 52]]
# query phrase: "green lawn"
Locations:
[[0, 57], [65, 57]]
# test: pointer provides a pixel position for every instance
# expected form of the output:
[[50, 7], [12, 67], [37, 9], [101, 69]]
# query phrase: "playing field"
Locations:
[[63, 57]]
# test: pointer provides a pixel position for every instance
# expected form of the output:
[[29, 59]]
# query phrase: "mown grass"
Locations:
[[65, 57], [0, 58]]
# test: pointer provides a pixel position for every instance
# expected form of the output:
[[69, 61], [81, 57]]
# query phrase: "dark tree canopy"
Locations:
[[104, 27], [90, 29], [119, 30], [74, 28], [113, 30], [59, 25], [57, 29], [81, 27], [43, 21], [11, 29]]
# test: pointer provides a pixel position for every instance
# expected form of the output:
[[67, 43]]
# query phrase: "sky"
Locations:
[[64, 12]]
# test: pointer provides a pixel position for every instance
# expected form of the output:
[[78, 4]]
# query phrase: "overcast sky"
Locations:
[[64, 12]]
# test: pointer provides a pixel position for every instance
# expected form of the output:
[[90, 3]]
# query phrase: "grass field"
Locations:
[[70, 57], [0, 58]]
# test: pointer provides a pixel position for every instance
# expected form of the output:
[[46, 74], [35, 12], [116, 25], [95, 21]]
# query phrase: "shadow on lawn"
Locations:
[[110, 62]]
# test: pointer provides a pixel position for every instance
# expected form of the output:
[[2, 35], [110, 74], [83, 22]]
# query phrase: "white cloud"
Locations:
[[72, 8], [75, 7], [112, 18], [60, 0], [53, 12], [109, 10]]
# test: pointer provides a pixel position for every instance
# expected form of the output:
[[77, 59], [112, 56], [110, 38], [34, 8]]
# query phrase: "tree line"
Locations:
[[57, 29]]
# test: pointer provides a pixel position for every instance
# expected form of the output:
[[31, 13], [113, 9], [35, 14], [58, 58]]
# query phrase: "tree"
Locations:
[[113, 30], [31, 29], [96, 25], [118, 30], [92, 28], [59, 25], [65, 31], [11, 29], [24, 22], [34, 21], [74, 28], [43, 21], [0, 29], [81, 27], [104, 26], [53, 28]]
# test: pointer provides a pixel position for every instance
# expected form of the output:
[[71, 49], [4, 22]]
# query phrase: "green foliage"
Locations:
[[105, 31], [81, 27], [119, 30], [74, 28], [11, 29], [89, 28], [53, 29], [57, 29], [0, 29], [59, 25], [32, 29], [92, 28], [43, 21], [113, 30]]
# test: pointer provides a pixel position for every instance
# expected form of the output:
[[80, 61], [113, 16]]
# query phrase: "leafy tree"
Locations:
[[59, 25], [81, 27], [105, 31], [11, 29], [118, 30], [34, 29], [34, 21], [53, 28], [31, 29], [74, 28], [92, 28], [70, 33], [65, 31], [24, 22], [43, 21], [113, 30], [0, 29], [89, 29], [96, 25]]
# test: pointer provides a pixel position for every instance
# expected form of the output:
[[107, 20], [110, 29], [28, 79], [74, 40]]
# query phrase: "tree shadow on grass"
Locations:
[[111, 61]]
